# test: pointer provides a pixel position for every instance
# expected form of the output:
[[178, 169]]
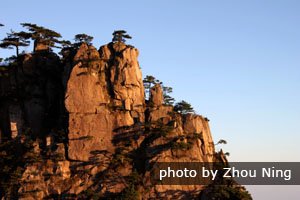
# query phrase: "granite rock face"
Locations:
[[105, 101], [156, 95], [103, 93], [101, 136]]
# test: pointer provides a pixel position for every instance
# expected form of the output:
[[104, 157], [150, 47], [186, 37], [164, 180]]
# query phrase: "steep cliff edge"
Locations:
[[86, 129], [103, 93]]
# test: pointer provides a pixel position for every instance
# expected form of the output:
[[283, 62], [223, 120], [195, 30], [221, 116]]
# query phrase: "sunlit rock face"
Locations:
[[104, 92], [98, 127]]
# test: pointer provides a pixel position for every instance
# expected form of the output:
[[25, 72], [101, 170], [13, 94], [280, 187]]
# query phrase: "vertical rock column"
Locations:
[[125, 79], [104, 92], [90, 124]]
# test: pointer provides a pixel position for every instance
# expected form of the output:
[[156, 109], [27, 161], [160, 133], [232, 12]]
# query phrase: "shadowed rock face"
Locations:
[[111, 136], [34, 94]]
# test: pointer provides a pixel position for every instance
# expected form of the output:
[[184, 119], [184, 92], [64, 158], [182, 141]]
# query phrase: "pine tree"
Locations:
[[149, 81], [183, 107], [1, 58], [120, 35], [80, 38], [221, 141], [42, 35], [167, 98], [15, 39], [65, 43]]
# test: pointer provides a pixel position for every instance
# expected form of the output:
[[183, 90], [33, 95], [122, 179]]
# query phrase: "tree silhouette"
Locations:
[[67, 49], [120, 35], [149, 81], [221, 141], [65, 43], [15, 39], [183, 107], [227, 154], [1, 58], [80, 38], [42, 35], [167, 98]]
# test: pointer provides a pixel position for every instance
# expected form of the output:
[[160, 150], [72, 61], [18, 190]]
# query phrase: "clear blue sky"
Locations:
[[237, 62]]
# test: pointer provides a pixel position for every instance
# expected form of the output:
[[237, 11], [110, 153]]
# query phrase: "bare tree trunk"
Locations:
[[17, 51]]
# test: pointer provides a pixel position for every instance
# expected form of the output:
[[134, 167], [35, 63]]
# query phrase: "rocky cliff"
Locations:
[[82, 128]]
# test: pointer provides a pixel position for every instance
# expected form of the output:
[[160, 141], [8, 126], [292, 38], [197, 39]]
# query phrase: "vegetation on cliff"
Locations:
[[83, 123]]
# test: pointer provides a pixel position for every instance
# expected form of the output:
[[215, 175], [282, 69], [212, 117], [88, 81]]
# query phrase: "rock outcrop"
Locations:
[[156, 95], [103, 93], [85, 129]]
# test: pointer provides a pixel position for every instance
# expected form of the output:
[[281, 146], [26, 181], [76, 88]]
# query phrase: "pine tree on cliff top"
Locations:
[[1, 58], [15, 39], [149, 81], [80, 38], [183, 107], [42, 35], [168, 100], [120, 36]]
